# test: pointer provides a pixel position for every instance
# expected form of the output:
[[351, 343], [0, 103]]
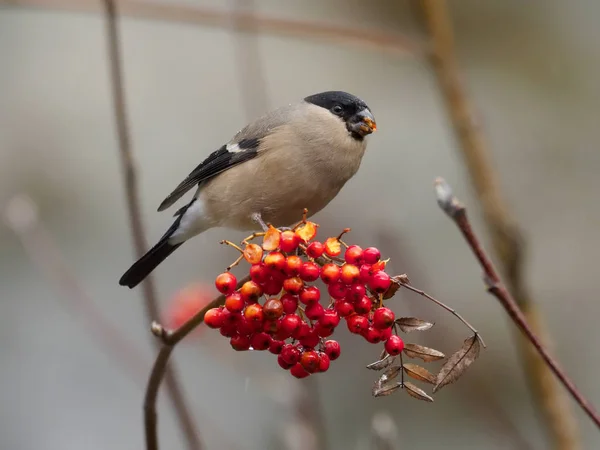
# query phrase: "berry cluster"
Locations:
[[280, 308]]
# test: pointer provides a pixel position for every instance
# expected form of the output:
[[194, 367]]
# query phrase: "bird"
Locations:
[[294, 157]]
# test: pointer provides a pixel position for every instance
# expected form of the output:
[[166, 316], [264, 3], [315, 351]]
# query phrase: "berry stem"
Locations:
[[235, 263], [253, 236], [446, 307], [231, 244]]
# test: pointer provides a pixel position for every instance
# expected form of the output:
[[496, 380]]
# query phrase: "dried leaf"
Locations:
[[390, 373], [408, 324], [333, 246], [419, 373], [391, 290], [458, 363], [416, 392], [271, 239], [384, 362], [253, 253], [383, 388], [425, 353], [386, 385], [307, 231]]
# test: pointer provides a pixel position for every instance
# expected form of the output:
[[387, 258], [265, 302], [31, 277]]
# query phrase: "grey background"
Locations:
[[531, 68]]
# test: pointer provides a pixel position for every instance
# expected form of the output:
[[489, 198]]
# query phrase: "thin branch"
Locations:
[[507, 241], [446, 307], [135, 217], [169, 340], [457, 212], [349, 36]]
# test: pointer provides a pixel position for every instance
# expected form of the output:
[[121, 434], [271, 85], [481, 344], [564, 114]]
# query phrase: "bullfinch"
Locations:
[[294, 157]]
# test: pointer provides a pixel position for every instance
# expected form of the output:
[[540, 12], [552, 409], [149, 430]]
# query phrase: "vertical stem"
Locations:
[[135, 218], [507, 241]]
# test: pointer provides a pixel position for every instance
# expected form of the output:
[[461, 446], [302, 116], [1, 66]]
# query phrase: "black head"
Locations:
[[352, 110]]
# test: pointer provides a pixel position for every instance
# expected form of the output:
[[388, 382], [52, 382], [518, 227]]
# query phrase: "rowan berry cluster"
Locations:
[[281, 309]]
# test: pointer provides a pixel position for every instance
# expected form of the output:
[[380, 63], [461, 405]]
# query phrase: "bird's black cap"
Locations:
[[330, 99]]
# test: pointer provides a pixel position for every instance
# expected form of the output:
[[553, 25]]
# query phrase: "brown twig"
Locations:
[[442, 305], [507, 240], [169, 340], [392, 43], [457, 212], [135, 218]]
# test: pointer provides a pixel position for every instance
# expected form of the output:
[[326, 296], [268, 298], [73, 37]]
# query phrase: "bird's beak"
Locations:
[[362, 123]]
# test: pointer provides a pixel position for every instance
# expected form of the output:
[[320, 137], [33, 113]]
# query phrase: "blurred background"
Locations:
[[76, 349]]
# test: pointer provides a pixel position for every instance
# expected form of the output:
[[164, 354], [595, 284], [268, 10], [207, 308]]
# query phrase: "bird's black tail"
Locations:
[[147, 263], [153, 257]]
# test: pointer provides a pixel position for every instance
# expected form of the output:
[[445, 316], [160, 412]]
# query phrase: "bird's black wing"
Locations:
[[217, 162]]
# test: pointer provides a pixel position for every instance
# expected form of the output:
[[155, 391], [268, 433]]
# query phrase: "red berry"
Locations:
[[214, 318], [363, 306], [293, 285], [365, 273], [290, 354], [276, 346], [383, 318], [344, 308], [254, 313], [289, 241], [293, 265], [357, 324], [311, 340], [271, 326], [394, 345], [275, 261], [353, 254], [290, 303], [273, 309], [240, 343], [350, 274], [330, 272], [272, 286], [356, 292], [298, 371], [314, 311], [245, 327], [322, 330], [302, 331], [290, 323], [251, 291], [234, 302], [310, 361], [258, 273], [225, 283], [230, 318], [372, 335], [228, 330], [324, 362], [260, 341], [371, 255], [315, 249], [380, 282], [311, 294], [309, 271], [330, 319], [385, 334], [337, 290], [332, 349], [282, 363]]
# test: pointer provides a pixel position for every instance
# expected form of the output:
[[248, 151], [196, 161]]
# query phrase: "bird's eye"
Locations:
[[337, 109]]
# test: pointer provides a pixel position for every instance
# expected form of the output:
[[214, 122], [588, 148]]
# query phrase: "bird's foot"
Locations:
[[256, 217]]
